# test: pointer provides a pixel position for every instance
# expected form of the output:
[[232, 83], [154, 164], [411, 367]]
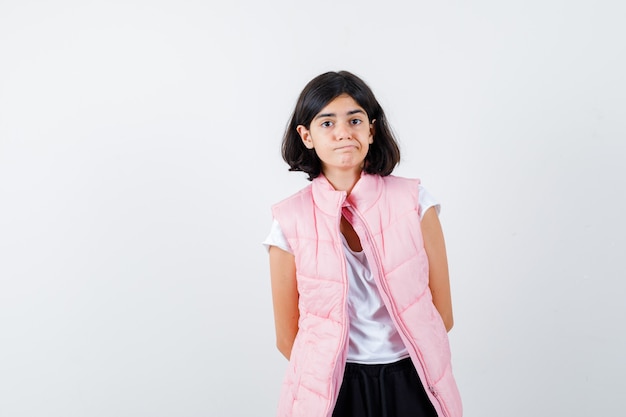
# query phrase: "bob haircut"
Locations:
[[383, 154]]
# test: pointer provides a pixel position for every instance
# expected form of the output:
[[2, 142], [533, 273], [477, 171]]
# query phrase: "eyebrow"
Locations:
[[350, 113]]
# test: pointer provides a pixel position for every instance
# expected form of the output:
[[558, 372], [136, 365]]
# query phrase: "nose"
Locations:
[[342, 131]]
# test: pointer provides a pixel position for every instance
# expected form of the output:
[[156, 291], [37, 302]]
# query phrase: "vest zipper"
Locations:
[[382, 285], [341, 354]]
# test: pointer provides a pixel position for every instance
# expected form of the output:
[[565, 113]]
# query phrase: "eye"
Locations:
[[356, 121], [326, 123]]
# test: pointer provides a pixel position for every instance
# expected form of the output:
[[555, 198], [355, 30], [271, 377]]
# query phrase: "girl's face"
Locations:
[[341, 134]]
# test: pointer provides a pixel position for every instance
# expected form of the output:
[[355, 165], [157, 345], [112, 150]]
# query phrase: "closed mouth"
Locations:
[[345, 147]]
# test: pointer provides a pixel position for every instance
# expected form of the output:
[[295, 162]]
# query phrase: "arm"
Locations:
[[439, 279], [285, 298]]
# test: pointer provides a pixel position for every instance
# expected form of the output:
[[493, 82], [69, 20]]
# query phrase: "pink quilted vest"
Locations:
[[384, 213]]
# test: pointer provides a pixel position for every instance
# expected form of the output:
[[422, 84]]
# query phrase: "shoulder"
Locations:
[[395, 181], [402, 187], [304, 193], [286, 211]]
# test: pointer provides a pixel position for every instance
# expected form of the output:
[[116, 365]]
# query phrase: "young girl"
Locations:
[[358, 266]]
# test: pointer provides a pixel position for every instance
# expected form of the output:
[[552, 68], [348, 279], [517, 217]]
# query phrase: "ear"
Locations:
[[305, 135], [372, 131]]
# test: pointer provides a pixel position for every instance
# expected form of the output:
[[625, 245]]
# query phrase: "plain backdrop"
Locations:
[[140, 155]]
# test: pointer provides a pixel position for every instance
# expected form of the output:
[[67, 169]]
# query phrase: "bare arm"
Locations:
[[439, 278], [285, 298]]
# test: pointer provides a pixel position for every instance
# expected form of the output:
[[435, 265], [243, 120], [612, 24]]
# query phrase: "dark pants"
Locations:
[[389, 390]]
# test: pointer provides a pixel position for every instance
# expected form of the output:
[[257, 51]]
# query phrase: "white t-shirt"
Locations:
[[372, 338]]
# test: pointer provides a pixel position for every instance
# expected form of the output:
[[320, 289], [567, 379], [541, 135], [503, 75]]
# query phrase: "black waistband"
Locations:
[[377, 369]]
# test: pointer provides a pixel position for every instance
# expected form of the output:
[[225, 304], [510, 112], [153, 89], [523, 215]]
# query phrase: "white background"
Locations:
[[139, 158]]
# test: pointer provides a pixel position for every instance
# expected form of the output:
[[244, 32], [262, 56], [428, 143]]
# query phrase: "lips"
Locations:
[[345, 147]]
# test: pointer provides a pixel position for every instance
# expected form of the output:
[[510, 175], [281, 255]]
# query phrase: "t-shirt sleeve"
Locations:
[[426, 201], [277, 238]]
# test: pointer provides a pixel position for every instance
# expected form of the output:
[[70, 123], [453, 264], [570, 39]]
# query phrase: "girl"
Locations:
[[358, 266]]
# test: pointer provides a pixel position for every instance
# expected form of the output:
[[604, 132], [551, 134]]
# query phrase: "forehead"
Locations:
[[342, 104]]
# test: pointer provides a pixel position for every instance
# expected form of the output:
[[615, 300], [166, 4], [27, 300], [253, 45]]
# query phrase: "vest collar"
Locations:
[[364, 195]]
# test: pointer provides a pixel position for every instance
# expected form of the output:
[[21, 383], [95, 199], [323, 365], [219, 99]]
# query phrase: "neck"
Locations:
[[343, 180]]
